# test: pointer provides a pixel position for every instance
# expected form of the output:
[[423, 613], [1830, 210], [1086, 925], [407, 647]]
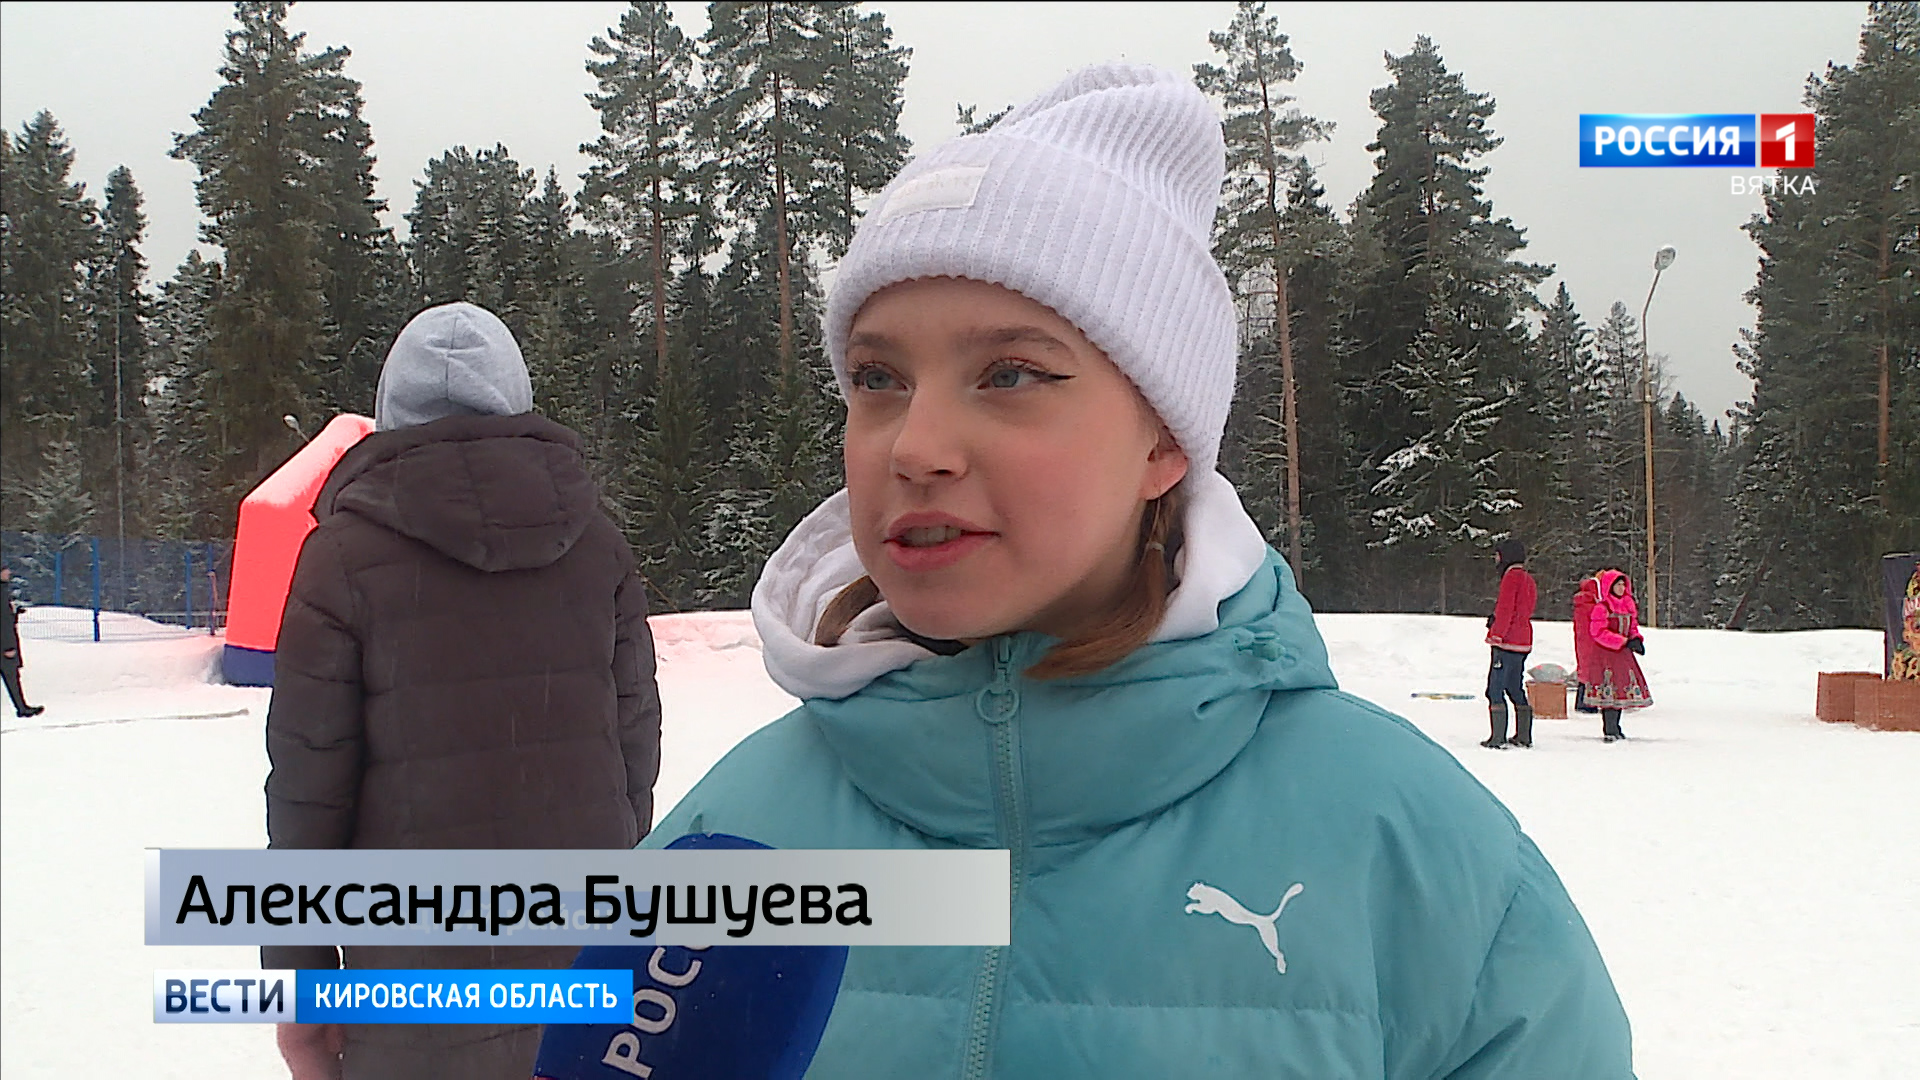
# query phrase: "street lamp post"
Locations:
[[1661, 260]]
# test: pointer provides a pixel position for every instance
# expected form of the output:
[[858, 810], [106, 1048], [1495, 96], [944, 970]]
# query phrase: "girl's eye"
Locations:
[[873, 377], [1013, 376]]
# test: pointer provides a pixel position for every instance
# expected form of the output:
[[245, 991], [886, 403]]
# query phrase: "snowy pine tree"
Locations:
[[1440, 495], [668, 508], [59, 508], [49, 236], [1437, 279], [1535, 443], [114, 423], [1611, 487], [269, 146], [1831, 477], [782, 463], [174, 471], [1564, 353], [468, 233]]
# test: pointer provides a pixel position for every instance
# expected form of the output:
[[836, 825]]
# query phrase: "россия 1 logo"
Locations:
[[1696, 140]]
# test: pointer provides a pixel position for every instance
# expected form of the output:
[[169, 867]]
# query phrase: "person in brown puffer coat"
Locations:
[[464, 662]]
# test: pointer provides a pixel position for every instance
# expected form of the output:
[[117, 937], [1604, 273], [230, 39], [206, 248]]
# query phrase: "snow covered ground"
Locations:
[[1752, 875]]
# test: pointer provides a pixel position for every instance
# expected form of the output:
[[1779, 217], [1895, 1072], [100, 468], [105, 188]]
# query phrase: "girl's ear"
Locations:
[[1167, 465]]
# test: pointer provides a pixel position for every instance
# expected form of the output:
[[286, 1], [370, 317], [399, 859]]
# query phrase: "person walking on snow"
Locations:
[[1614, 624], [1039, 620], [1510, 633], [464, 662], [11, 657]]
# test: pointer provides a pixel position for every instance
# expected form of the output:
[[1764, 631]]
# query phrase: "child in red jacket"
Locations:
[[1510, 632]]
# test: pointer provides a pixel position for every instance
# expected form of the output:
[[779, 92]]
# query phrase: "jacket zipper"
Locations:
[[999, 705]]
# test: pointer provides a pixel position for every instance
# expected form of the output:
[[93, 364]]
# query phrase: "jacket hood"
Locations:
[[1512, 552], [493, 492], [1604, 588], [457, 359], [1589, 590], [1223, 549], [917, 732]]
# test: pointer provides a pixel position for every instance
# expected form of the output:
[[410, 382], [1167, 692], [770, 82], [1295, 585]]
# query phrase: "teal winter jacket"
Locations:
[[1221, 867]]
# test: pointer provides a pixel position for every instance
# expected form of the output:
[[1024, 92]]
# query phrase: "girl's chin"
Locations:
[[929, 618]]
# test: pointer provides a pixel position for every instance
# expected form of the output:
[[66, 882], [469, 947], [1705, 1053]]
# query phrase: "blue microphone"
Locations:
[[742, 1011]]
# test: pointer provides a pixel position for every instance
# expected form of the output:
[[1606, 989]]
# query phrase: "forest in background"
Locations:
[[1407, 395]]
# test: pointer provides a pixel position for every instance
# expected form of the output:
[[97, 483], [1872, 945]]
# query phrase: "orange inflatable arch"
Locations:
[[275, 519]]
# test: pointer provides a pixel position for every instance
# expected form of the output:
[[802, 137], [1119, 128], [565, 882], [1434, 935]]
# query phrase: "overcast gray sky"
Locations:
[[122, 78]]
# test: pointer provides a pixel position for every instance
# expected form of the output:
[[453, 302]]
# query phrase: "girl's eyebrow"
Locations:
[[982, 338], [877, 342], [994, 337]]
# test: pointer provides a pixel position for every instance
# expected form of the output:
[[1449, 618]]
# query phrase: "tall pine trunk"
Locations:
[[1285, 313], [659, 231], [780, 213], [1886, 383], [1291, 420]]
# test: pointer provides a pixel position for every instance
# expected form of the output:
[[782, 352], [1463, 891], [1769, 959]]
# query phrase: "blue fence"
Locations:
[[175, 583]]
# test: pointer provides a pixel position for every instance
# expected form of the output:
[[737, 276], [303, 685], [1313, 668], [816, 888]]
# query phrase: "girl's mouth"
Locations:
[[932, 536], [919, 546]]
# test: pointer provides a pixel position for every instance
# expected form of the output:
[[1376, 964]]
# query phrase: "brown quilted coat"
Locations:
[[464, 662]]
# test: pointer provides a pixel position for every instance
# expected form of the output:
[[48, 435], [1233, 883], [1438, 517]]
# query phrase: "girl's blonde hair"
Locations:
[[1126, 628]]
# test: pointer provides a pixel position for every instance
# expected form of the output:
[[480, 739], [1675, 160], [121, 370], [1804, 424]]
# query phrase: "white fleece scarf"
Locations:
[[1221, 551]]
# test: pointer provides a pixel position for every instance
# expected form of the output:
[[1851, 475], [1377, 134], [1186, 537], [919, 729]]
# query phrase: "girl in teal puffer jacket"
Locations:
[[1038, 619]]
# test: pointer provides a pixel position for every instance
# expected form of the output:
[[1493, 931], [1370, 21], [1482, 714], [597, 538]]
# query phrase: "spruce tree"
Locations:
[[1316, 291], [278, 148], [468, 233], [1831, 439], [783, 448], [49, 237], [1693, 512], [1611, 488], [1440, 496], [118, 349], [782, 463], [1533, 441], [671, 481], [548, 313], [177, 503], [1442, 283], [743, 325], [364, 274], [60, 510], [1564, 352]]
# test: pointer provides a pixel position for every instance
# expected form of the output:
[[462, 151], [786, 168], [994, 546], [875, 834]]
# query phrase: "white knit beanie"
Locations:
[[1096, 199]]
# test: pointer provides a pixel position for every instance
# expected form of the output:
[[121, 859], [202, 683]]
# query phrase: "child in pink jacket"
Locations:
[[1615, 681]]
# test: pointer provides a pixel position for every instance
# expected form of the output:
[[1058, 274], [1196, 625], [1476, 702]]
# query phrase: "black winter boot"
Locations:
[[1497, 723], [1523, 726], [1610, 725]]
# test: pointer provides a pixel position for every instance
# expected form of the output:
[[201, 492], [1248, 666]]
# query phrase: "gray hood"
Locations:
[[453, 360]]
